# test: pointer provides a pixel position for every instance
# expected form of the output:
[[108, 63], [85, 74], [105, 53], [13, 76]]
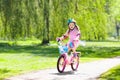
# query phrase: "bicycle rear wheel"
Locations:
[[75, 63], [61, 63]]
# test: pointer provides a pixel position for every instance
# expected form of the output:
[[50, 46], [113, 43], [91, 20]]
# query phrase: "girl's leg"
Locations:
[[74, 49], [69, 50]]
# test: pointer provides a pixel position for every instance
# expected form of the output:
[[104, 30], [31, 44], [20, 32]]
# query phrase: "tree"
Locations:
[[117, 29], [47, 19], [46, 23]]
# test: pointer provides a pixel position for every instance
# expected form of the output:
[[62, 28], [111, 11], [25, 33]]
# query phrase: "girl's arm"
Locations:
[[64, 35], [78, 34]]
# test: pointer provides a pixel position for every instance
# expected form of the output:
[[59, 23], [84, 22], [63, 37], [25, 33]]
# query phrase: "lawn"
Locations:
[[25, 56], [112, 74]]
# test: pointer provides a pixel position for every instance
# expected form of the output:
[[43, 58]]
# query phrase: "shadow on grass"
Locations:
[[4, 71], [52, 51]]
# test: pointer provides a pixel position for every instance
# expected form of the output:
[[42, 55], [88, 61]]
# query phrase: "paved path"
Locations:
[[86, 71]]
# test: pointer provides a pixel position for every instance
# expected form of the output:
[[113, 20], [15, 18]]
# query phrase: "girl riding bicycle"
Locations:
[[73, 33]]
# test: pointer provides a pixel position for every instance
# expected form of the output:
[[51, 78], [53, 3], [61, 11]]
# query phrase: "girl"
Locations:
[[73, 33]]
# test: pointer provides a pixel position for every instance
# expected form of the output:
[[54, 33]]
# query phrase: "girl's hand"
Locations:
[[58, 39]]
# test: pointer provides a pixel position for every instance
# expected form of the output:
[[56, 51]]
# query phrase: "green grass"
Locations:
[[25, 56], [11, 64], [101, 49], [113, 74]]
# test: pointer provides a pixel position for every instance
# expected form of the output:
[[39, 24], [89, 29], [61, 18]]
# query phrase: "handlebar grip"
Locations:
[[58, 39]]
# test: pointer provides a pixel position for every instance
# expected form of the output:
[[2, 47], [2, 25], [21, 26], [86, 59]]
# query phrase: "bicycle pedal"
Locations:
[[79, 53]]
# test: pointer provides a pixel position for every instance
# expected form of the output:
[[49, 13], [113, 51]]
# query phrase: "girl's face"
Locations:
[[71, 25]]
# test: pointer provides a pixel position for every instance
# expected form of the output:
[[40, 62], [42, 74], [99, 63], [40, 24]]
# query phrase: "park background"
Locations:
[[28, 30]]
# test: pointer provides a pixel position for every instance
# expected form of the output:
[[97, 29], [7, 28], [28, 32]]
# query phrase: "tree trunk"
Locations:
[[46, 23], [117, 30]]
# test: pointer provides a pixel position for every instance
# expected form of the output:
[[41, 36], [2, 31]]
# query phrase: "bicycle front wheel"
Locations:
[[61, 63]]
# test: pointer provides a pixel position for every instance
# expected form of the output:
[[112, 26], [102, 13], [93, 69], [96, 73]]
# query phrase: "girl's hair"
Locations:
[[68, 31]]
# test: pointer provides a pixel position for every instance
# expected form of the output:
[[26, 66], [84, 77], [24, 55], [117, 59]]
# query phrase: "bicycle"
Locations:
[[64, 59]]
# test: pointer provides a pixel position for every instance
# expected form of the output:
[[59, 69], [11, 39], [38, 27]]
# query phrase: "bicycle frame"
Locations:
[[64, 59], [63, 49]]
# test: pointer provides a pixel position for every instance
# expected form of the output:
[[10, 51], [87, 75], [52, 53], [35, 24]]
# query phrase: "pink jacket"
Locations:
[[74, 35]]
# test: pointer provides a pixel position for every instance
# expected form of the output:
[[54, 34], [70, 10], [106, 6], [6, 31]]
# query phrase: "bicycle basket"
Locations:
[[63, 49]]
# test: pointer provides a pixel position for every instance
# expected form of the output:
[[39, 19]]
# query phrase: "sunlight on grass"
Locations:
[[12, 64], [112, 74], [88, 59], [103, 44], [26, 56]]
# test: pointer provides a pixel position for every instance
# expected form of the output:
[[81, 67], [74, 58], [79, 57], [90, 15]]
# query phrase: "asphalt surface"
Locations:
[[86, 71]]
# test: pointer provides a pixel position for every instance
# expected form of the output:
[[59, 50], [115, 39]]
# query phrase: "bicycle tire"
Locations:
[[58, 63], [74, 68]]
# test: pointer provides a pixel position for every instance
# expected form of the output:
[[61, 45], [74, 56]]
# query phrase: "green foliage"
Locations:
[[47, 19]]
